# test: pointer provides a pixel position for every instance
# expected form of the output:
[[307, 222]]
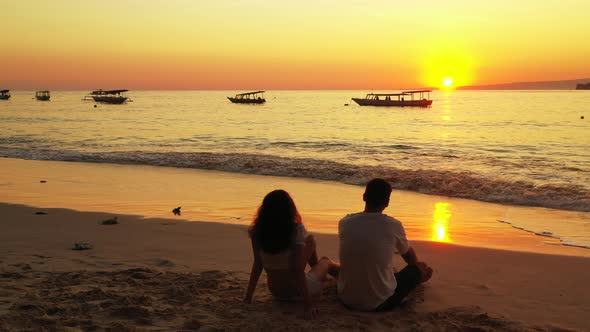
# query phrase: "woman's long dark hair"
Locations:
[[273, 229]]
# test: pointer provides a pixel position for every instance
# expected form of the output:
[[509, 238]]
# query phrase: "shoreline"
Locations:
[[153, 191], [451, 183], [485, 287]]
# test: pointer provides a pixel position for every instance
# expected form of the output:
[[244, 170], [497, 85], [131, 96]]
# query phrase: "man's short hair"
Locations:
[[377, 192]]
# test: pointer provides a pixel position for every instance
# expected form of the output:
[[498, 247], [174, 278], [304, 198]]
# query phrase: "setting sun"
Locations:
[[448, 82]]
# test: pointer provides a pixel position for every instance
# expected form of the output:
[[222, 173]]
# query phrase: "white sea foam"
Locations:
[[583, 242], [446, 183]]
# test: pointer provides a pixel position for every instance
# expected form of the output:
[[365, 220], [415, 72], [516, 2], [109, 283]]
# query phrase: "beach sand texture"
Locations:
[[164, 274]]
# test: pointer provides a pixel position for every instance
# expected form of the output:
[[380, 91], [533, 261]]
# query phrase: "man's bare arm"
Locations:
[[410, 257]]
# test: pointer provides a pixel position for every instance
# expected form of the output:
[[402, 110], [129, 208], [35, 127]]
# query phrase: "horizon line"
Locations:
[[476, 86]]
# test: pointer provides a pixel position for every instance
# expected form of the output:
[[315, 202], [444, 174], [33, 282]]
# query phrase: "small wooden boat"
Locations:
[[4, 94], [405, 98], [254, 97], [42, 95], [108, 96]]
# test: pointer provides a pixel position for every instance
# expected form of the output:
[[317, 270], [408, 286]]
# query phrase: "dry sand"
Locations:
[[167, 274]]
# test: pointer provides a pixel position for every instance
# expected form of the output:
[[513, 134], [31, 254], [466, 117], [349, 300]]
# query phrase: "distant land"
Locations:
[[545, 85]]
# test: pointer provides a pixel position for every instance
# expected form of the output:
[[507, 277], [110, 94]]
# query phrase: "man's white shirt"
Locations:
[[368, 242]]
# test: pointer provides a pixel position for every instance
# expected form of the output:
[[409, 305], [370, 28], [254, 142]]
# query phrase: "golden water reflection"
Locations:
[[440, 227]]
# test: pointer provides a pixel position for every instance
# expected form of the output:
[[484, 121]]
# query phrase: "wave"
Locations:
[[561, 239], [460, 184]]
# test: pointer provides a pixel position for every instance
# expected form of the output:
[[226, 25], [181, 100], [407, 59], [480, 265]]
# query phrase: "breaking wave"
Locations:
[[460, 184]]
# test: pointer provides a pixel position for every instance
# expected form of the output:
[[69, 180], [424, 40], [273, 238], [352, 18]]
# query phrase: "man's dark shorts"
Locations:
[[407, 280]]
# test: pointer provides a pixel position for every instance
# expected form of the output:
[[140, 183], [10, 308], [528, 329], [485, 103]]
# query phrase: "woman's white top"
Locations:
[[282, 260]]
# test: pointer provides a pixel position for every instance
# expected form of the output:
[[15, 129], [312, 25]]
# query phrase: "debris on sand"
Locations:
[[176, 211], [112, 221], [82, 246]]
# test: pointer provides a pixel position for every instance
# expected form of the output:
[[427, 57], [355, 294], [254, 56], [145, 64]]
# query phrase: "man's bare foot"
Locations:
[[426, 271]]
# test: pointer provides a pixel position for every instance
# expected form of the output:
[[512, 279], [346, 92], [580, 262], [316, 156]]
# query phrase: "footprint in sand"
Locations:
[[213, 274], [83, 262], [23, 266], [40, 256], [416, 297], [162, 262], [192, 324], [485, 289], [11, 275]]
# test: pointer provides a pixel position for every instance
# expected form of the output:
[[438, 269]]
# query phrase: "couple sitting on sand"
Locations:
[[368, 240]]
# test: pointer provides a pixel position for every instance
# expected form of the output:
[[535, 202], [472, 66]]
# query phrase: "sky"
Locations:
[[304, 44]]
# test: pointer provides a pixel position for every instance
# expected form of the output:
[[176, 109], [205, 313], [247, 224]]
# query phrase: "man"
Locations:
[[368, 242]]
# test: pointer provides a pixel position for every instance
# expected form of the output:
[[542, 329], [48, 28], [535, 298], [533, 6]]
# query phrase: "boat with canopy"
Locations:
[[254, 97], [108, 96], [42, 95], [419, 98]]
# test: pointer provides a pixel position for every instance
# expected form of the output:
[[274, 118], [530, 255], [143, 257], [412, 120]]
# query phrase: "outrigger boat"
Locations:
[[4, 94], [42, 95], [405, 98], [255, 97], [108, 96]]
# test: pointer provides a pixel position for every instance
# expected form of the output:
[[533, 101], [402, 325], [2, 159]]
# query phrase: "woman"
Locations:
[[280, 246]]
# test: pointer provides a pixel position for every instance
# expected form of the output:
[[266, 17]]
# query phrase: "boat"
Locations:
[[254, 97], [405, 98], [4, 94], [108, 96], [42, 95]]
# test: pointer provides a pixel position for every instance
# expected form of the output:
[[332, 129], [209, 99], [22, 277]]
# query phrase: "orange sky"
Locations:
[[259, 44]]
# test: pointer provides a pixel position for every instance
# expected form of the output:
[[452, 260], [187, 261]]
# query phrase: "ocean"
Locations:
[[526, 148]]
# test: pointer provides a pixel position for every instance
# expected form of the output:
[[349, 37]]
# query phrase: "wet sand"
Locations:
[[233, 198]]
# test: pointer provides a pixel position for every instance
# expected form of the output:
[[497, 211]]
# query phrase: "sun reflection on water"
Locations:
[[440, 226]]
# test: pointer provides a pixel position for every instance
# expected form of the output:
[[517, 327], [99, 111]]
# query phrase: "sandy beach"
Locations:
[[168, 274], [233, 198], [139, 140], [153, 271]]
